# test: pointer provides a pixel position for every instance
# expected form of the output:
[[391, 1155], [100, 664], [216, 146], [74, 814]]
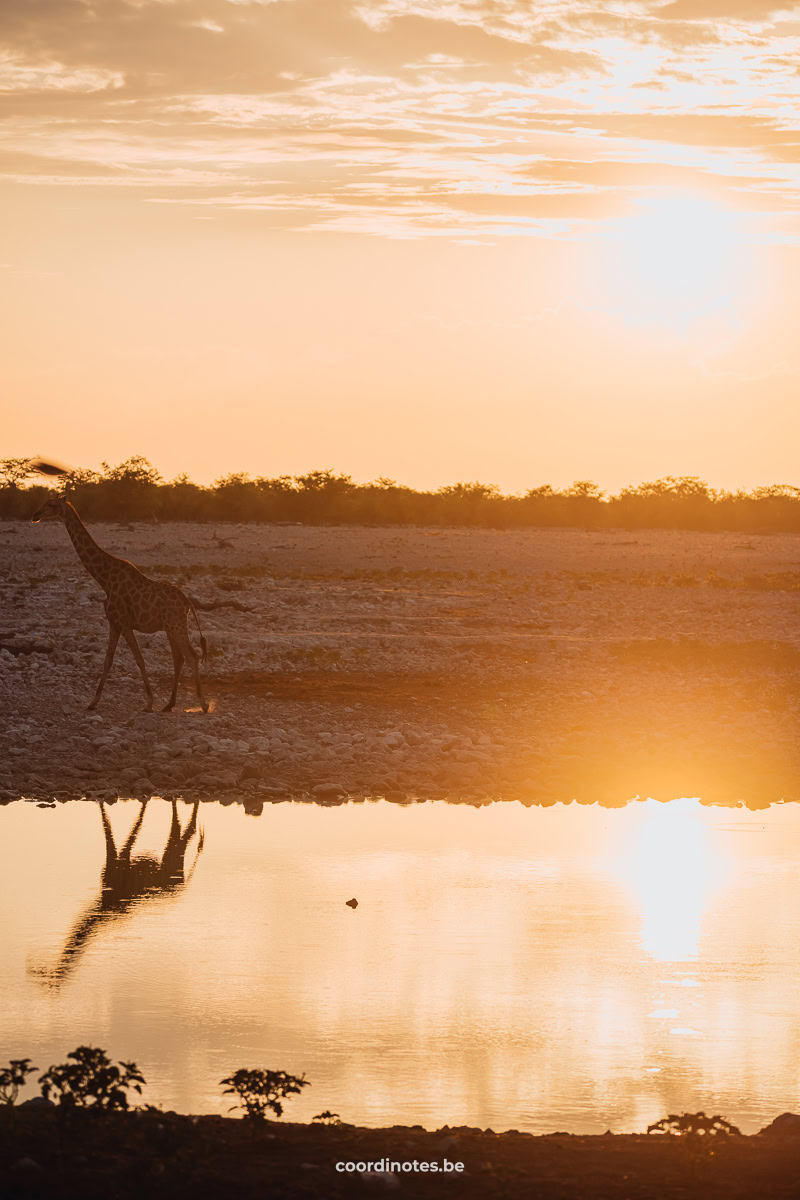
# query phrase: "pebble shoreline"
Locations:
[[472, 665]]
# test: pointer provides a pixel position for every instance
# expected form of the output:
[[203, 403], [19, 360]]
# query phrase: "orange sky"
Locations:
[[425, 239]]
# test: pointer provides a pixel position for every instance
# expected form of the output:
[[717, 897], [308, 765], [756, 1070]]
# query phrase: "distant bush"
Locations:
[[260, 1091], [91, 1080], [134, 490]]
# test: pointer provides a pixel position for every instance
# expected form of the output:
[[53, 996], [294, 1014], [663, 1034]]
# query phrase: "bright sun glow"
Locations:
[[681, 257], [672, 869]]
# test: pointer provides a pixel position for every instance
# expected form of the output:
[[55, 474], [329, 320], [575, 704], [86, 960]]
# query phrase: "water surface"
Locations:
[[533, 968]]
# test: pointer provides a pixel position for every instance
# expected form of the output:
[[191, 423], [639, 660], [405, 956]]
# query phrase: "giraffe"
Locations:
[[128, 881], [132, 602]]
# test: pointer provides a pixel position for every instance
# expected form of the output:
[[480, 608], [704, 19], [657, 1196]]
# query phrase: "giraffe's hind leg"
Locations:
[[189, 654], [130, 638], [113, 638], [177, 660]]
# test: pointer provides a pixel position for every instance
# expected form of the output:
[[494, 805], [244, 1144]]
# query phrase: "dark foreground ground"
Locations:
[[164, 1155]]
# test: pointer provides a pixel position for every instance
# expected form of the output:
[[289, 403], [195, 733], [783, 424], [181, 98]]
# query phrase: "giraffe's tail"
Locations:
[[203, 642]]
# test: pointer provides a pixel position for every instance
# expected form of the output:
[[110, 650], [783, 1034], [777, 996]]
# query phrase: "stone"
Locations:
[[27, 1168], [382, 1180], [326, 790], [251, 771], [786, 1125]]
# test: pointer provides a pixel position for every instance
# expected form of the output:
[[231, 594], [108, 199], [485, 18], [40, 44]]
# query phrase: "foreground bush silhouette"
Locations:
[[13, 1077], [327, 1118], [91, 1080], [260, 1090], [694, 1124]]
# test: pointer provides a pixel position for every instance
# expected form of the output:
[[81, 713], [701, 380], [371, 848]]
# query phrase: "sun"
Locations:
[[679, 257]]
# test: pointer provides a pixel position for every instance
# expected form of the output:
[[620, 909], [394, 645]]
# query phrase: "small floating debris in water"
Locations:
[[352, 903]]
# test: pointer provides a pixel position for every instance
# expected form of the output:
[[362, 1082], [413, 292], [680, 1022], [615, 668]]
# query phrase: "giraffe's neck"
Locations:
[[98, 562]]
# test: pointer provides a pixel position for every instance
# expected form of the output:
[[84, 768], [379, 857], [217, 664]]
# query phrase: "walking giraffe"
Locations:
[[132, 602]]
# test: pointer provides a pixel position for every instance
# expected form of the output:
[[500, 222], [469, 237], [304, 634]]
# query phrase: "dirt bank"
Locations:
[[535, 665], [164, 1155]]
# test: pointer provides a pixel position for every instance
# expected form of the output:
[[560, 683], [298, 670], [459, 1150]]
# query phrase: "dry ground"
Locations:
[[48, 1154], [538, 664]]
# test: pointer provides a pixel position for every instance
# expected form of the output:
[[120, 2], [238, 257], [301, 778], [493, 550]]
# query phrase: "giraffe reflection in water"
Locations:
[[127, 882]]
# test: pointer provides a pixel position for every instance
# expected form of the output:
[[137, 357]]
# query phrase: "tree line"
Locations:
[[134, 490]]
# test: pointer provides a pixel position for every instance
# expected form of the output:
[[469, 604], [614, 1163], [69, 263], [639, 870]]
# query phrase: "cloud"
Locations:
[[331, 110], [725, 10]]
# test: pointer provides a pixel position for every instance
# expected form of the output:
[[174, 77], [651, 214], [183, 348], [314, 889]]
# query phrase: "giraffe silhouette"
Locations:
[[126, 882], [133, 602]]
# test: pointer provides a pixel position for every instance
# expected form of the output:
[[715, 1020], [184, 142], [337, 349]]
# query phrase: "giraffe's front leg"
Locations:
[[113, 638], [130, 638], [127, 849], [177, 662]]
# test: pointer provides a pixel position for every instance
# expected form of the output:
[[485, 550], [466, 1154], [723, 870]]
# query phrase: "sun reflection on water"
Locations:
[[672, 868]]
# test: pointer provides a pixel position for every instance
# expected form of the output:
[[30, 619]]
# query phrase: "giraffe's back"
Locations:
[[147, 605]]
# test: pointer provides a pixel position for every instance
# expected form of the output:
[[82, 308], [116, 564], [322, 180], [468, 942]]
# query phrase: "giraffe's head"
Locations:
[[53, 509]]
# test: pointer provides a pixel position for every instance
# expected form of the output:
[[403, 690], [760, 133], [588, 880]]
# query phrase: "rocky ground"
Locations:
[[106, 1156], [537, 665]]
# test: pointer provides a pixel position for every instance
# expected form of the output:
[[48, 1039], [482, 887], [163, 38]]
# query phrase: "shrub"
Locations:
[[327, 1118], [693, 1124], [13, 1077], [91, 1080], [259, 1090]]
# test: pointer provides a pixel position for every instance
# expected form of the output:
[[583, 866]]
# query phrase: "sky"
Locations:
[[429, 240]]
